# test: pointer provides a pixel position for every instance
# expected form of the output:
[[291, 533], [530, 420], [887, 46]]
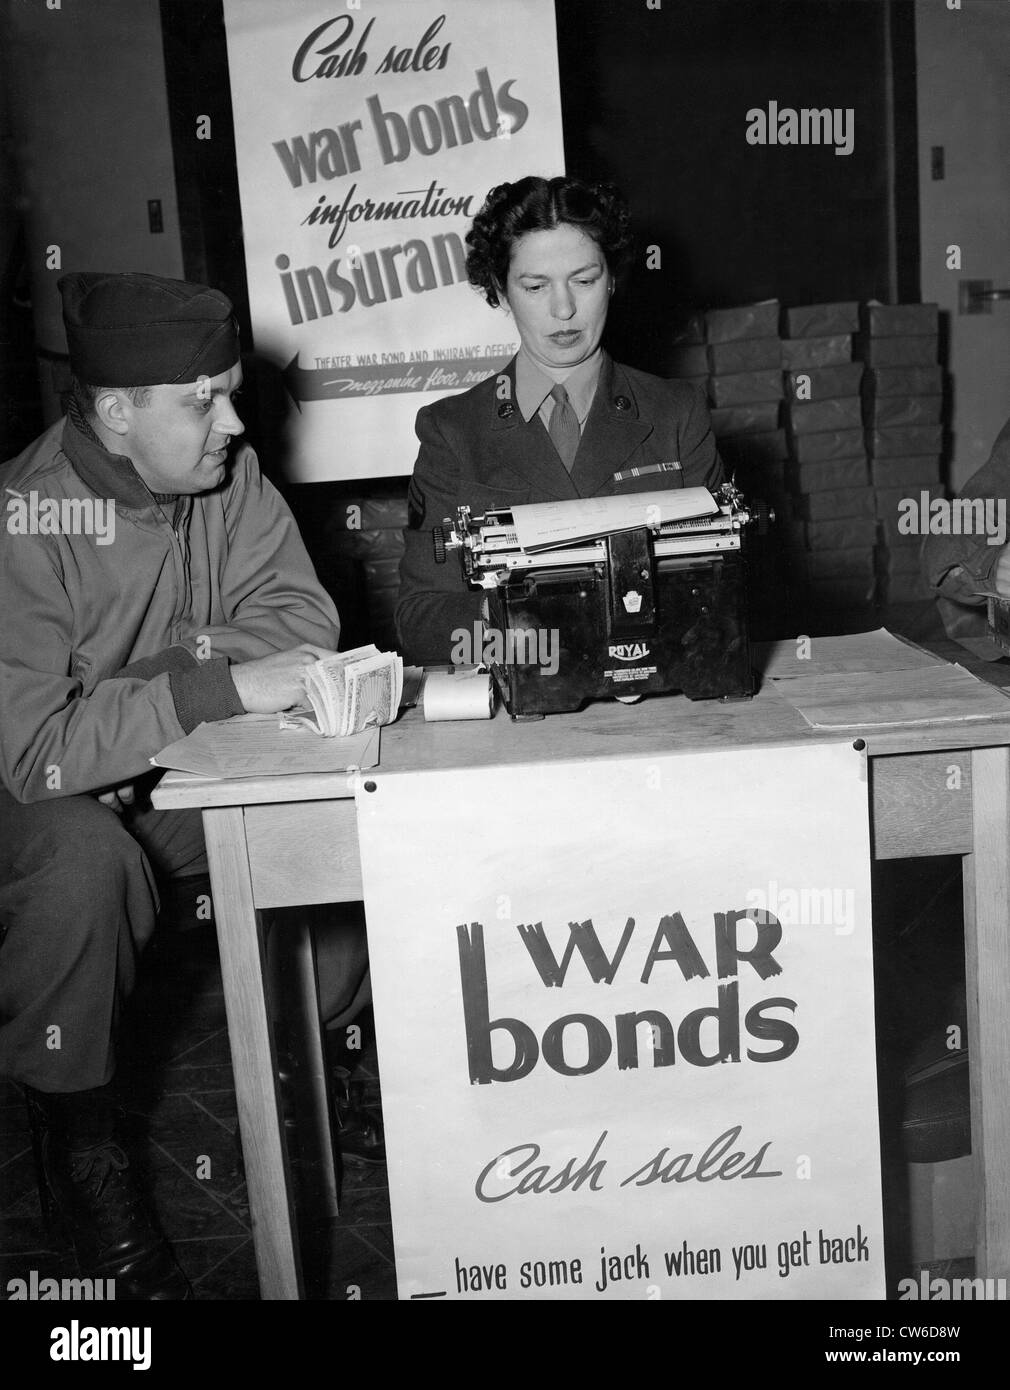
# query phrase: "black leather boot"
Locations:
[[89, 1195], [360, 1134]]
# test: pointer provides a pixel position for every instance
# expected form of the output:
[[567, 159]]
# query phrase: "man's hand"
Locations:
[[1001, 573], [119, 799], [275, 682]]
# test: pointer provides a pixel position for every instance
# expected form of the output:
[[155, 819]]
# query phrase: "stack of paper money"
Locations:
[[352, 691]]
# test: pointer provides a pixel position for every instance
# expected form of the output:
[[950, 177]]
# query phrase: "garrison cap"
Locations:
[[133, 329]]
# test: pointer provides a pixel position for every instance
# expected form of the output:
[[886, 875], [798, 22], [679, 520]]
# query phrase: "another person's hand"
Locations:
[[275, 682], [1001, 573], [119, 799]]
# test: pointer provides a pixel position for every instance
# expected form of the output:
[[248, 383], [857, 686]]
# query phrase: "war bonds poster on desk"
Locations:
[[367, 136], [625, 1023]]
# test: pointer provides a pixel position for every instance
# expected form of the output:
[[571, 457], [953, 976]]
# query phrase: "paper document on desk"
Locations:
[[254, 745], [540, 525], [880, 699], [859, 651]]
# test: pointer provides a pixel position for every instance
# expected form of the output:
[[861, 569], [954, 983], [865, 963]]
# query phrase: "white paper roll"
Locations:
[[465, 692]]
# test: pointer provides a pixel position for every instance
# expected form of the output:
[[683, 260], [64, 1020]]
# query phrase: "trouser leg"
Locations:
[[172, 840], [78, 902], [341, 962]]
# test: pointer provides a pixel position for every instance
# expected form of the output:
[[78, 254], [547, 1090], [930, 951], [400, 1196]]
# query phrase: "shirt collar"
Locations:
[[107, 474], [534, 385]]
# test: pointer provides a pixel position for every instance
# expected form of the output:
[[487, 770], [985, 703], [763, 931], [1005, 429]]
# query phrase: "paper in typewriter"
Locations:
[[540, 525]]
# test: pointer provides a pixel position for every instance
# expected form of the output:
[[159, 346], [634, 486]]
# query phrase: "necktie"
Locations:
[[564, 427]]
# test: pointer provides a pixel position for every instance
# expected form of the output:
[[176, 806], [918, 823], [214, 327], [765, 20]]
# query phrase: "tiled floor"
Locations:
[[177, 1084], [176, 1081]]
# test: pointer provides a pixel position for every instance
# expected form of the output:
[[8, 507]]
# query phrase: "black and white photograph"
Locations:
[[504, 669]]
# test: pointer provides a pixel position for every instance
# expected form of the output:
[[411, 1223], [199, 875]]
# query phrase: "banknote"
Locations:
[[353, 690]]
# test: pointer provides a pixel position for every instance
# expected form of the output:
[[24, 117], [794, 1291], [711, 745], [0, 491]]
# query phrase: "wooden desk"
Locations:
[[285, 841]]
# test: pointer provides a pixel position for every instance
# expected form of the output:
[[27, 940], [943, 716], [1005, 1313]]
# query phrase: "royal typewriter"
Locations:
[[624, 596]]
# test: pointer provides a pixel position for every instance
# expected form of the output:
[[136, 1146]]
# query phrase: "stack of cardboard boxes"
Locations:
[[834, 424], [833, 534], [902, 413], [735, 355]]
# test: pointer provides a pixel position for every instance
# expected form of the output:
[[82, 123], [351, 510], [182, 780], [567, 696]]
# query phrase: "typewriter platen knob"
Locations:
[[438, 541]]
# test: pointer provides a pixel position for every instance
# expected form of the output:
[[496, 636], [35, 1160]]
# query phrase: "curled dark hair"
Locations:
[[537, 205]]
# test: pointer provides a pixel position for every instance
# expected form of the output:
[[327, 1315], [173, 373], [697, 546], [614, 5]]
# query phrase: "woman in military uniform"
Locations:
[[562, 419]]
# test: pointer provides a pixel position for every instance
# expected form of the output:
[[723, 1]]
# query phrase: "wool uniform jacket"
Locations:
[[960, 568], [108, 652], [477, 450]]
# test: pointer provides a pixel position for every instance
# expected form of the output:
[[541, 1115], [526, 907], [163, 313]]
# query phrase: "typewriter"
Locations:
[[625, 596]]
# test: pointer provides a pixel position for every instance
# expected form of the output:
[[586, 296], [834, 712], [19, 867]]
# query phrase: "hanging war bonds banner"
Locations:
[[625, 1022]]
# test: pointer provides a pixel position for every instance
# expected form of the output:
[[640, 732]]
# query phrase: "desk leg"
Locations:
[[240, 937], [987, 958], [318, 1137]]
